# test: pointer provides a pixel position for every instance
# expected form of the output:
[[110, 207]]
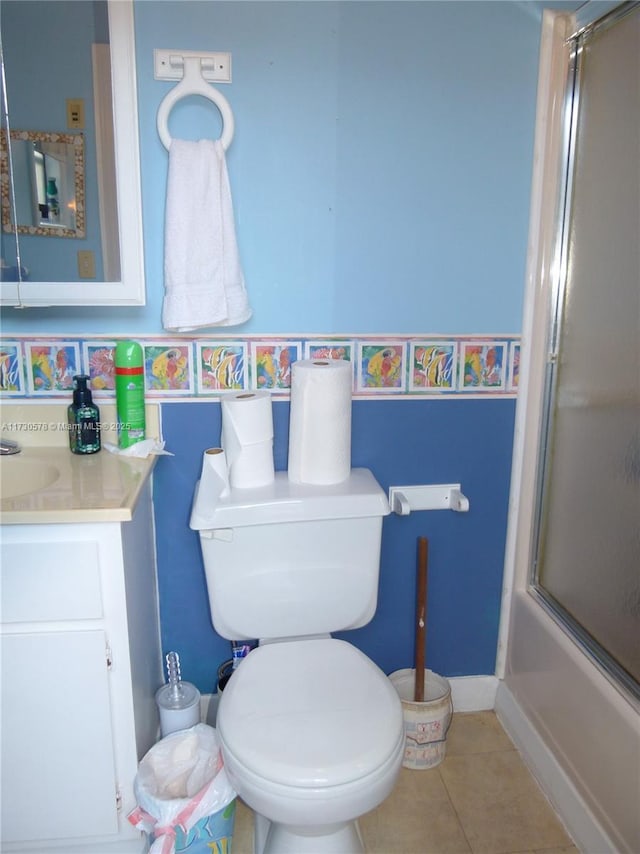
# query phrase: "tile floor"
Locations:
[[480, 799]]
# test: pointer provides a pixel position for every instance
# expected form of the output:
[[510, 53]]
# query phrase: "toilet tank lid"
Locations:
[[358, 496]]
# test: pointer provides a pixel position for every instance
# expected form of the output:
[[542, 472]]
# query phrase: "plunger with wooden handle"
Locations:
[[421, 619]]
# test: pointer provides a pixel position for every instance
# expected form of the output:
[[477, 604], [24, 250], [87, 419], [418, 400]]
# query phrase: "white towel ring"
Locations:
[[193, 83]]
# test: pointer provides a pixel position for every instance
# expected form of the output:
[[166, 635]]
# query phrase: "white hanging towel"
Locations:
[[204, 284]]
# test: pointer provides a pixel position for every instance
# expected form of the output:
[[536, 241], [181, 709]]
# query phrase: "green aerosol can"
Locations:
[[129, 371]]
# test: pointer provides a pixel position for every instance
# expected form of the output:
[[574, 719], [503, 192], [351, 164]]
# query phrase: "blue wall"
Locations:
[[380, 175], [380, 170], [382, 159]]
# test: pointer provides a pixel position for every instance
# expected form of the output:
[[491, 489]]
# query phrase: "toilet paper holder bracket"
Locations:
[[444, 496]]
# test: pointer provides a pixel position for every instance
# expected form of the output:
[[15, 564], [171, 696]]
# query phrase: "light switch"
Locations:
[[75, 113]]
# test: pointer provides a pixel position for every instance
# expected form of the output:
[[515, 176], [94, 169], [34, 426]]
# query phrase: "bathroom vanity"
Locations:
[[80, 649]]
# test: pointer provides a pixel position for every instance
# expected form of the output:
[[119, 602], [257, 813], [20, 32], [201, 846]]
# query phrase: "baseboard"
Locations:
[[578, 819], [473, 693]]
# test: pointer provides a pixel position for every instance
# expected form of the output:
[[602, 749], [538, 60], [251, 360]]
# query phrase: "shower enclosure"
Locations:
[[586, 562], [570, 641]]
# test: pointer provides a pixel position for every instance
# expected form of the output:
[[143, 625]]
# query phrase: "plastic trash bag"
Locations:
[[183, 794]]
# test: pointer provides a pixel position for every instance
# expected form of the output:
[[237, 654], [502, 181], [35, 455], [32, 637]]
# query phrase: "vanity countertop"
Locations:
[[46, 484], [100, 487]]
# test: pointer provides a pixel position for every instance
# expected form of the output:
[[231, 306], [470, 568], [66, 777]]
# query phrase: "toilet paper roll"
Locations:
[[253, 466], [214, 477], [247, 438], [320, 421]]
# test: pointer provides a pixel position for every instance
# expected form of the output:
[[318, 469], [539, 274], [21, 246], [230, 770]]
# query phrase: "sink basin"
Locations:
[[21, 476]]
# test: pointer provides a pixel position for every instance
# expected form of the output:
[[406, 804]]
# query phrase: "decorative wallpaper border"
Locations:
[[206, 367]]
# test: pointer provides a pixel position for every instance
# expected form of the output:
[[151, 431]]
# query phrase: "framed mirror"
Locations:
[[47, 186], [100, 261]]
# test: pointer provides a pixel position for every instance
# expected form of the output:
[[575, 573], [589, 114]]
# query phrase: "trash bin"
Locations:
[[426, 723], [184, 798]]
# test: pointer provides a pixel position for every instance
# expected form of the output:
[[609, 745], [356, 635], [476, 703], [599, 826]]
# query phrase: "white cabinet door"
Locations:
[[58, 775]]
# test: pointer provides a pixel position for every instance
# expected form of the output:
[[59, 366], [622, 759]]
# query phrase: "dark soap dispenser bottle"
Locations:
[[84, 419]]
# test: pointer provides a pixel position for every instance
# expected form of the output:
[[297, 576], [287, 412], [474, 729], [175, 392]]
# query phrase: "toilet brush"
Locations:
[[421, 619], [427, 716], [178, 701]]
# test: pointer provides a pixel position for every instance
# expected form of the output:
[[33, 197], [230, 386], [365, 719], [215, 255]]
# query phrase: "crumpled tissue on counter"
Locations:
[[140, 450]]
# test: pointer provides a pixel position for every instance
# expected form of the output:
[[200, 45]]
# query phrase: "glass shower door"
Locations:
[[586, 566]]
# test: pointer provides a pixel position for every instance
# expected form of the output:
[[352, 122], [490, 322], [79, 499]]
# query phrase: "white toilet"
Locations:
[[311, 729]]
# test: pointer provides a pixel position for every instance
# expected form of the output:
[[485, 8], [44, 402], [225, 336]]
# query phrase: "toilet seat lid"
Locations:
[[310, 713]]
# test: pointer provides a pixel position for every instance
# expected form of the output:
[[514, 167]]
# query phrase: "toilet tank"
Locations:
[[292, 559]]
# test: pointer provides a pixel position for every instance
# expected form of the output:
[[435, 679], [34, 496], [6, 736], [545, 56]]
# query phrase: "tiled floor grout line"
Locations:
[[512, 749], [456, 813]]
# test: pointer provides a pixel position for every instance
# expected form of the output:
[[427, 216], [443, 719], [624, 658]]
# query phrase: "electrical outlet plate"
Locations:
[[86, 264], [169, 64]]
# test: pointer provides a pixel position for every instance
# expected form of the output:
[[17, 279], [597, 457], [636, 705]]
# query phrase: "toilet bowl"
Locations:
[[311, 730], [312, 738]]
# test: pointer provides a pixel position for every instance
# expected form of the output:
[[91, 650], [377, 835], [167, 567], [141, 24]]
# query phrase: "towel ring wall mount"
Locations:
[[193, 83]]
